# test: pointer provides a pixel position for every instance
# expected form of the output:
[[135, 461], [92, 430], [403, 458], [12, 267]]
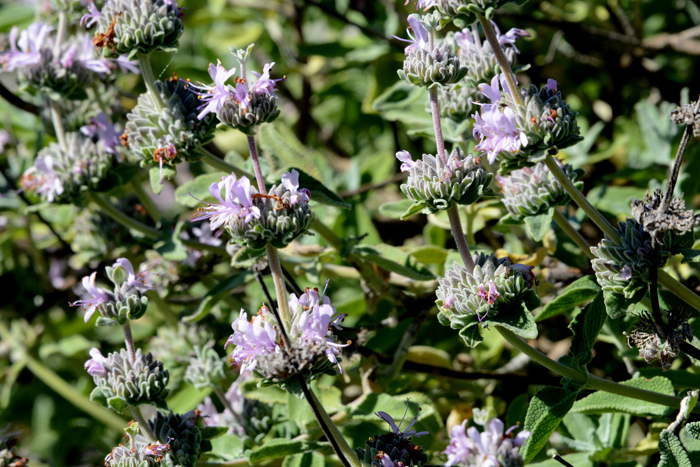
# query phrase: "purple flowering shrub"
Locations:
[[391, 234]]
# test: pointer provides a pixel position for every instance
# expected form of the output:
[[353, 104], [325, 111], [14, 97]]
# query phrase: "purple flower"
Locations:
[[290, 180], [124, 64], [420, 39], [98, 296], [84, 55], [43, 179], [95, 366], [423, 4], [30, 43], [242, 97], [526, 272], [158, 449], [5, 138], [491, 448], [214, 96], [102, 129], [236, 400], [497, 131], [137, 281], [92, 16], [397, 429], [552, 85], [493, 91], [448, 302], [489, 296], [406, 160], [265, 85], [245, 199], [471, 44], [220, 214], [251, 339], [510, 37]]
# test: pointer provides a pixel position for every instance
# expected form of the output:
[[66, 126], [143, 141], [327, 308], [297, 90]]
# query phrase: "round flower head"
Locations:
[[532, 191], [497, 292], [137, 452], [464, 12], [129, 27], [675, 219], [521, 136], [433, 186], [121, 382], [165, 137], [428, 67], [242, 105], [259, 346], [253, 219], [32, 54], [493, 447], [186, 435], [62, 175], [622, 267], [456, 101], [125, 302], [206, 368], [394, 449], [653, 345]]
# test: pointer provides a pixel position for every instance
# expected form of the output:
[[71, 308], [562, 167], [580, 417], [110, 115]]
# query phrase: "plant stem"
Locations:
[[581, 200], [146, 201], [679, 290], [561, 460], [437, 125], [148, 232], [256, 165], [60, 34], [573, 233], [222, 397], [98, 98], [58, 125], [689, 349], [150, 80], [340, 446], [143, 424], [273, 308], [163, 307], [460, 240], [129, 340], [280, 286], [589, 381], [220, 164], [72, 395], [673, 178], [501, 58]]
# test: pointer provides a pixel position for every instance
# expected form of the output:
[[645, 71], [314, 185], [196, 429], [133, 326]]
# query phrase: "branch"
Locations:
[[17, 102]]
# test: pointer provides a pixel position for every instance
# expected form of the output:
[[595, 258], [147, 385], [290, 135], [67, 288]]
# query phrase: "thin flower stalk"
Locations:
[[149, 79], [491, 36], [574, 234]]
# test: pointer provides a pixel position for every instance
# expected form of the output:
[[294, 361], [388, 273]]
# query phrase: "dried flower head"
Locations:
[[661, 340], [656, 221]]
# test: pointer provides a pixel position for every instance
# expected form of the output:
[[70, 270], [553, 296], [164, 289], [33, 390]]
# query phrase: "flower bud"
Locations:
[[531, 191], [206, 368], [431, 67], [465, 11], [245, 116], [173, 134], [495, 290], [129, 27], [142, 381], [436, 187]]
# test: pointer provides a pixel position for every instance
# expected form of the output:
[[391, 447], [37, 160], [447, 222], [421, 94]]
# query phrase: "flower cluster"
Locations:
[[259, 347], [662, 345], [520, 136], [464, 11], [496, 291], [63, 72], [493, 447], [130, 27], [63, 174], [244, 106], [137, 453], [125, 302], [394, 449], [254, 219]]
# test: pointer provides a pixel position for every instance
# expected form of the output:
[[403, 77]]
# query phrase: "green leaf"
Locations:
[[276, 448], [613, 428], [170, 246], [280, 141], [299, 411], [404, 103], [306, 459], [693, 429], [586, 326], [672, 452], [395, 260], [538, 225], [690, 255], [616, 304], [614, 199], [216, 293], [519, 321], [576, 293], [601, 402], [266, 394], [227, 447], [546, 411], [429, 254], [415, 208], [154, 176], [681, 379], [471, 335], [395, 209], [187, 398], [319, 191], [199, 188], [517, 410]]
